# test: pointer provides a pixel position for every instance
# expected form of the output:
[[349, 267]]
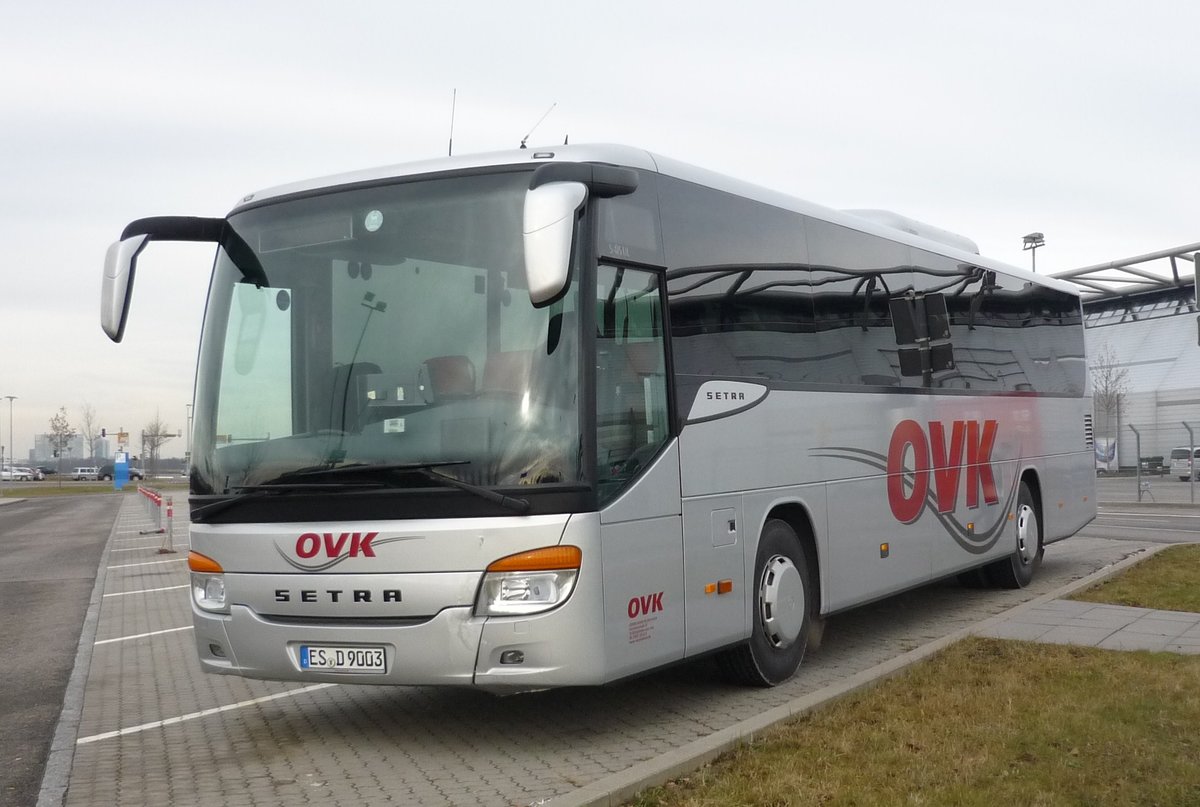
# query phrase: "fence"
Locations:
[[161, 511]]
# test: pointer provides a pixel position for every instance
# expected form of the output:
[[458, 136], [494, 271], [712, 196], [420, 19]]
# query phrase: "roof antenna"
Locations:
[[453, 101], [539, 123]]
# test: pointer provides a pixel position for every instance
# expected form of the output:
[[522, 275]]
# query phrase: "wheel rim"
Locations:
[[781, 602], [1027, 534]]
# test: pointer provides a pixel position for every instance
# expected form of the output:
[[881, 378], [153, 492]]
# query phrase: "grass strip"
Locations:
[[32, 491], [1169, 581], [985, 722]]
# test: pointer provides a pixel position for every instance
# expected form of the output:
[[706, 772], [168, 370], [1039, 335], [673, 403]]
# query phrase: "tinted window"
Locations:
[[1006, 334], [627, 226], [1037, 336], [855, 277], [739, 288], [702, 227], [764, 294], [787, 322], [978, 362]]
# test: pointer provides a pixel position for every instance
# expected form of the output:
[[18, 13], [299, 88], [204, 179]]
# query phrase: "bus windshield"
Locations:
[[393, 328]]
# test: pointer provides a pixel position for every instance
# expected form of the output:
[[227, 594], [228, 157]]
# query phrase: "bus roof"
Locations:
[[875, 222]]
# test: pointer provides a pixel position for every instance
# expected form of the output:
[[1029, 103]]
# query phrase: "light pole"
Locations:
[[188, 453], [11, 450], [1031, 243]]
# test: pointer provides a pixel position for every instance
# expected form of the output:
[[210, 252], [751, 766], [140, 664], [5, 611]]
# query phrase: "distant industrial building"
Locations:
[[1142, 336], [43, 450]]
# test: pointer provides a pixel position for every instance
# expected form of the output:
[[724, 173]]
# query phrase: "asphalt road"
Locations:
[[49, 553], [1155, 525]]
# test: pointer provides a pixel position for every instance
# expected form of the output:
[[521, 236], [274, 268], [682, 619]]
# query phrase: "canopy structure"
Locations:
[[1129, 278], [1141, 345]]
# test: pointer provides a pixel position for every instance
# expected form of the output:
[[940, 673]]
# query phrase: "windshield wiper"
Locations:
[[245, 493], [425, 469], [521, 506], [359, 468]]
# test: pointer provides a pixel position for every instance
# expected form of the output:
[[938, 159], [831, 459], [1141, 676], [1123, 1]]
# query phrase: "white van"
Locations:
[[1181, 466], [86, 474]]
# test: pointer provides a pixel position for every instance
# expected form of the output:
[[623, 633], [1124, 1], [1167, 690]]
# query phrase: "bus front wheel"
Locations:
[[1016, 571], [782, 612]]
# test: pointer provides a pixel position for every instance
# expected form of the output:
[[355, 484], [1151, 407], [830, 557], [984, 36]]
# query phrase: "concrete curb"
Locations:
[[1149, 505], [57, 774], [618, 788]]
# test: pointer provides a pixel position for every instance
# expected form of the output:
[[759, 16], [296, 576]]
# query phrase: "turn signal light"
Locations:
[[539, 560], [203, 564]]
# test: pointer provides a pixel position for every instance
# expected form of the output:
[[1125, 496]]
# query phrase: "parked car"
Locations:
[[108, 472], [46, 470], [16, 475], [33, 473], [86, 474], [1181, 462]]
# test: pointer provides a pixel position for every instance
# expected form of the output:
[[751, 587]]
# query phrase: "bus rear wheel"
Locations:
[[783, 605], [1016, 571]]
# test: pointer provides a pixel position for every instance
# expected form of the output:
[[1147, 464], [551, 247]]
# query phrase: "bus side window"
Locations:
[[631, 389]]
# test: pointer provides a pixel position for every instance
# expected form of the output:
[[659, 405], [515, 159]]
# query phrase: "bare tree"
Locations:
[[88, 428], [61, 429], [1110, 382], [153, 436]]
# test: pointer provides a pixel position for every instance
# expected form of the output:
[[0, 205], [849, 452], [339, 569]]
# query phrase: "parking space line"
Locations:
[[142, 635], [148, 563], [145, 591], [170, 721]]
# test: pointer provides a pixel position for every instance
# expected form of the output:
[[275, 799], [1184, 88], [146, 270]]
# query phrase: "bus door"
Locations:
[[637, 475]]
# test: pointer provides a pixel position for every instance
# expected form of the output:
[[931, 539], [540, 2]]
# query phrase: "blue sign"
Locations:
[[120, 469]]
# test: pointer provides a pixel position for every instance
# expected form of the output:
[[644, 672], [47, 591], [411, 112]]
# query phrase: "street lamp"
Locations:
[[11, 450], [1031, 243], [188, 453]]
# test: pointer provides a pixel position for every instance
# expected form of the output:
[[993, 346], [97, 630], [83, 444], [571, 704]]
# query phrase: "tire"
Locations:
[[783, 611], [1016, 571], [106, 478]]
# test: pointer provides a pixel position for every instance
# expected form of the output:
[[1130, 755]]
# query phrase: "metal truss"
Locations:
[[1138, 288]]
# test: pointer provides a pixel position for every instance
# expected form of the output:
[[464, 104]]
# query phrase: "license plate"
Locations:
[[343, 659]]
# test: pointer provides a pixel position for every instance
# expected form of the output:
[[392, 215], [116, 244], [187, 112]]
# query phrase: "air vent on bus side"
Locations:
[[1089, 437]]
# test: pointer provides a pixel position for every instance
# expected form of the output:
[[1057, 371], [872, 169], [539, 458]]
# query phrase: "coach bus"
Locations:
[[548, 418]]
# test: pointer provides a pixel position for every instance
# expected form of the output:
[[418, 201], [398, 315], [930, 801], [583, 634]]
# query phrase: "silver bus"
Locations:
[[558, 417]]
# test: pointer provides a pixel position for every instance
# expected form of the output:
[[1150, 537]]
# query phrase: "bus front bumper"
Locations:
[[454, 648]]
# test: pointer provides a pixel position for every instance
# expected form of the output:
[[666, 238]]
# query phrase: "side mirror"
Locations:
[[117, 285], [121, 260], [549, 232]]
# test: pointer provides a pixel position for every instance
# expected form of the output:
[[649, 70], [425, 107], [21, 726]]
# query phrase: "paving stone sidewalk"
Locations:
[[148, 727], [1110, 627]]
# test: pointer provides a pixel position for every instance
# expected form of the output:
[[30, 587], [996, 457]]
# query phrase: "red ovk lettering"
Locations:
[[933, 455]]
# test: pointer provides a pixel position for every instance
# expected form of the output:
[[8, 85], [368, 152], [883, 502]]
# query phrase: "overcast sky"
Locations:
[[1076, 119]]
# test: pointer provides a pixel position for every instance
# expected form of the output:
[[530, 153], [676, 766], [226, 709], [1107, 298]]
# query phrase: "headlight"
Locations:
[[510, 593], [208, 592], [529, 583], [208, 583]]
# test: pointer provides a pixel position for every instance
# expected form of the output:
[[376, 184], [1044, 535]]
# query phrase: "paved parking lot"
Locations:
[[154, 730]]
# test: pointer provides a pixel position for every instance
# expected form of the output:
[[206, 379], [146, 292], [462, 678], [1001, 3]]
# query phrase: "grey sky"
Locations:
[[1078, 119]]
